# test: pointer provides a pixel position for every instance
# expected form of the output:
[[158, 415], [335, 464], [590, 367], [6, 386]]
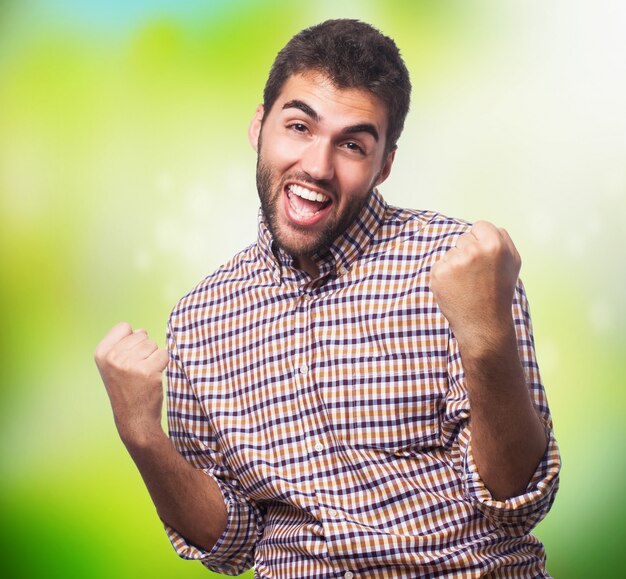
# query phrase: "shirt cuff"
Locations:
[[233, 553], [517, 515]]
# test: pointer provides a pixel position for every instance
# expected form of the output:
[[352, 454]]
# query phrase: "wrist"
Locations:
[[138, 437], [492, 366], [490, 342]]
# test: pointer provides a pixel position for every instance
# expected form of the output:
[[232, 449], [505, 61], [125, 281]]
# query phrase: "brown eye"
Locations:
[[352, 146], [298, 127]]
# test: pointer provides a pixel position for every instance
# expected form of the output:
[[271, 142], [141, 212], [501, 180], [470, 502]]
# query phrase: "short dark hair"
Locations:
[[352, 54]]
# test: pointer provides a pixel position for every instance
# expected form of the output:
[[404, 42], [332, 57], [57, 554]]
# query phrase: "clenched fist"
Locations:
[[131, 366], [474, 284]]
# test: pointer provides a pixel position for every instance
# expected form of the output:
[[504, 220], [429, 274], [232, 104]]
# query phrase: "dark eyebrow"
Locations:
[[362, 128], [307, 110]]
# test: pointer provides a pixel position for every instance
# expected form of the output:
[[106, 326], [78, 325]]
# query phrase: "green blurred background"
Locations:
[[126, 176]]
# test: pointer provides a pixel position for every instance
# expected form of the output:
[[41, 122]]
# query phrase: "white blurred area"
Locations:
[[534, 132]]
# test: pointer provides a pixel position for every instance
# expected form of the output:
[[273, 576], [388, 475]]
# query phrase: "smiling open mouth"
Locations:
[[306, 203]]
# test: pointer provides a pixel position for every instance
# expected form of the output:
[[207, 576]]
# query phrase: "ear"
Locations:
[[386, 168], [255, 127]]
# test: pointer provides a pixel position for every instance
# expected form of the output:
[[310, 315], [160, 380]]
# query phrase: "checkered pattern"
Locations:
[[333, 414]]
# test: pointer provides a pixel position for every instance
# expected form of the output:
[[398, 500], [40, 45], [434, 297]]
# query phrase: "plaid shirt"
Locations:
[[333, 414]]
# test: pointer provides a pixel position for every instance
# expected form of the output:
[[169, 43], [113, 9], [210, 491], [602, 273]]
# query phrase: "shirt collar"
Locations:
[[341, 255]]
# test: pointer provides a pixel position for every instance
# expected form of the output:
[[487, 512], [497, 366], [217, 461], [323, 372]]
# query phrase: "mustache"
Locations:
[[306, 179]]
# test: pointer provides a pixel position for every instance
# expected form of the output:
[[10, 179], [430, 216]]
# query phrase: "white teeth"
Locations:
[[307, 194]]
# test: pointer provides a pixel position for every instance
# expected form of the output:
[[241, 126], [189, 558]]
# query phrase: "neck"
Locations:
[[306, 264]]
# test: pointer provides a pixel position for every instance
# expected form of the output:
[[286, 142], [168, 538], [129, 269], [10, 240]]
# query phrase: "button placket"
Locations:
[[303, 312]]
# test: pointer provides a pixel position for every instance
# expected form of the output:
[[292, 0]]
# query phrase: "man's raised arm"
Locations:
[[474, 284], [185, 498]]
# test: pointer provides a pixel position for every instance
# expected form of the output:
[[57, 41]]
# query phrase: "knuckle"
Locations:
[[126, 366], [435, 271], [113, 358], [101, 351], [480, 226], [492, 245], [492, 249]]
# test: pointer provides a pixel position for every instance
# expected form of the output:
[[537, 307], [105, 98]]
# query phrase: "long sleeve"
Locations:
[[191, 433], [517, 515]]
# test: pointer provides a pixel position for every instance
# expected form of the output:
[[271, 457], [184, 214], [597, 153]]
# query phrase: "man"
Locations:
[[356, 394]]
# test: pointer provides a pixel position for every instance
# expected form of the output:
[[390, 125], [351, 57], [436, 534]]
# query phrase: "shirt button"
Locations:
[[276, 276], [333, 514], [342, 271], [304, 369], [348, 575], [319, 447]]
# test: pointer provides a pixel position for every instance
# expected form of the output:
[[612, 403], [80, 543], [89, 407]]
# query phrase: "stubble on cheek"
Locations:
[[264, 189]]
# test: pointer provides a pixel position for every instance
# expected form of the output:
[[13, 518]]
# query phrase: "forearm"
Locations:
[[508, 439], [185, 498]]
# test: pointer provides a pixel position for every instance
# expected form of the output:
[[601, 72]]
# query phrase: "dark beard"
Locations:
[[333, 229]]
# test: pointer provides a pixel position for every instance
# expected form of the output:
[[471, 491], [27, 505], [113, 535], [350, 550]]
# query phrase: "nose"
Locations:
[[317, 160]]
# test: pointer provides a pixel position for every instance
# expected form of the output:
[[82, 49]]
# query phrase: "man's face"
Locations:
[[321, 150]]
